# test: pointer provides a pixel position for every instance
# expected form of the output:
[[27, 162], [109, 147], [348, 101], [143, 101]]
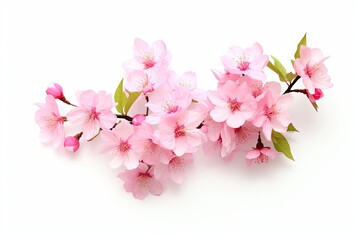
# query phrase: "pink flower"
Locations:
[[166, 101], [50, 122], [311, 69], [259, 156], [140, 181], [223, 77], [220, 139], [119, 142], [272, 114], [174, 169], [250, 61], [147, 57], [138, 119], [316, 96], [179, 132], [72, 143], [140, 81], [145, 142], [186, 83], [245, 133], [233, 104], [93, 113], [56, 91]]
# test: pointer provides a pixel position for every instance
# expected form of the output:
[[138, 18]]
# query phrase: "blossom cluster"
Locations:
[[158, 143]]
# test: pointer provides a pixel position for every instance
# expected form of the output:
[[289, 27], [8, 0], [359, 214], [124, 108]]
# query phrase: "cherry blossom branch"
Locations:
[[126, 117], [288, 90]]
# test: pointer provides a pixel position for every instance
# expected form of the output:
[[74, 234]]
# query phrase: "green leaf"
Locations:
[[280, 69], [130, 100], [120, 97], [281, 144], [291, 76], [291, 128], [302, 42]]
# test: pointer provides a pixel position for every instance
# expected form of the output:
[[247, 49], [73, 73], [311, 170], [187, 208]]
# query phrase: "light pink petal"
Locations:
[[256, 74], [194, 138], [235, 120], [220, 114], [77, 115], [181, 146], [159, 49], [107, 120], [216, 99], [155, 187], [269, 152], [267, 130], [87, 99], [116, 162], [140, 47], [161, 171], [176, 174], [252, 154], [284, 101], [125, 129], [90, 129], [106, 102], [131, 160]]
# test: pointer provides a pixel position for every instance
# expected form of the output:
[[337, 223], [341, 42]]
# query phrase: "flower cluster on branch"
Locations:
[[158, 143]]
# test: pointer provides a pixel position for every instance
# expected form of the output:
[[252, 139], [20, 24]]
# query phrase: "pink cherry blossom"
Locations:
[[187, 83], [316, 96], [119, 142], [260, 156], [249, 61], [174, 169], [138, 119], [72, 143], [151, 151], [223, 77], [140, 81], [245, 133], [179, 132], [166, 101], [272, 114], [220, 138], [310, 67], [50, 121], [148, 57], [93, 113], [56, 91], [233, 104], [140, 181]]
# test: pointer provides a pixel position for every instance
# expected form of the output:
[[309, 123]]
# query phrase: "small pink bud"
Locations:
[[316, 96], [72, 143], [138, 119], [56, 91]]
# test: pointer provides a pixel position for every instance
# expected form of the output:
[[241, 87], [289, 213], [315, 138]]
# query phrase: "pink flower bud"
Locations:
[[316, 96], [72, 143], [138, 119], [56, 91]]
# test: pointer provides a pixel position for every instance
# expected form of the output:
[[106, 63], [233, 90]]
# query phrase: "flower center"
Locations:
[[271, 112], [124, 147], [262, 159], [53, 121], [148, 60], [234, 105], [180, 131], [143, 180], [310, 70], [242, 62]]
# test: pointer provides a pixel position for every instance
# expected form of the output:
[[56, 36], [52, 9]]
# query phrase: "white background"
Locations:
[[51, 194]]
